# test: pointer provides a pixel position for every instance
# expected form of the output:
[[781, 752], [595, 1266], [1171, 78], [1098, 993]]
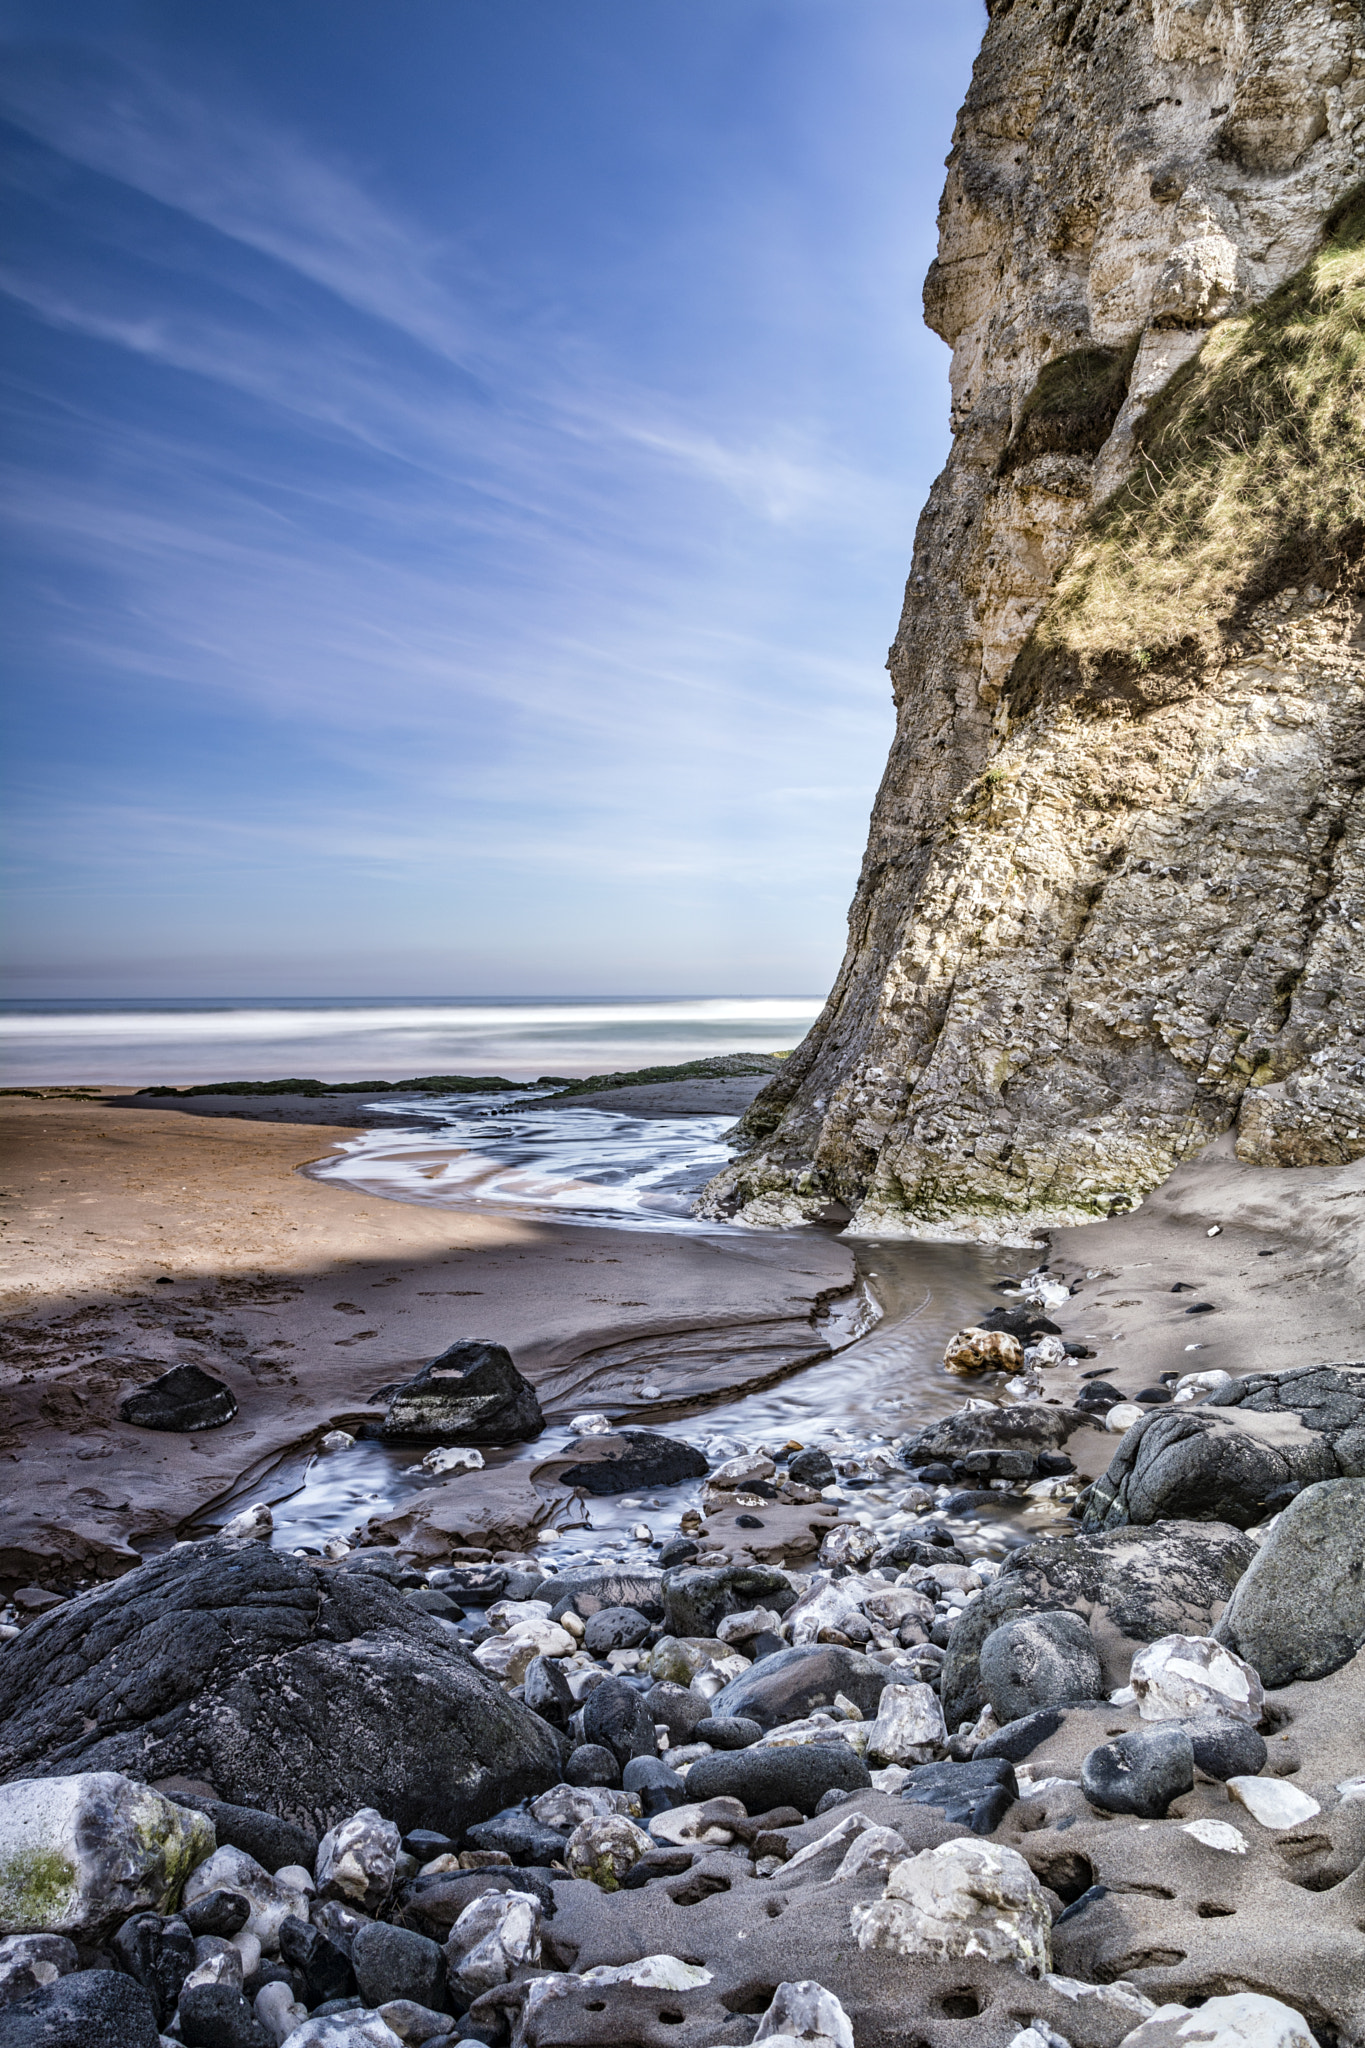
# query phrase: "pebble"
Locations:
[[1140, 1773]]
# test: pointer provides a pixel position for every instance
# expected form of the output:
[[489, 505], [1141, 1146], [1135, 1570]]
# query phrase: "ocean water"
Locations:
[[185, 1042]]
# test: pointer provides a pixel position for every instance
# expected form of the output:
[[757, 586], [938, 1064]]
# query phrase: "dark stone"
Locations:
[[393, 1962], [325, 1969], [1199, 1464], [1054, 1464], [1201, 1308], [545, 1691], [1023, 1323], [426, 1844], [519, 1835], [297, 1691], [1139, 1583], [796, 1681], [678, 1550], [615, 1715], [976, 1795], [159, 1954], [767, 1643], [697, 1598], [993, 1443], [88, 2009], [748, 1522], [267, 1973], [1153, 1397], [437, 1902], [935, 1472], [676, 1708], [1018, 1739], [799, 1776], [217, 1912], [479, 1585], [471, 1394], [184, 1398], [432, 1601], [1226, 1749], [615, 1628], [728, 1731], [1099, 1396], [591, 1763], [964, 1503], [387, 1565], [591, 1590], [659, 1788], [272, 1841], [912, 1547], [1300, 1610], [218, 2016], [812, 1468], [1039, 1660], [636, 1460], [530, 1585], [835, 1796], [1139, 1773]]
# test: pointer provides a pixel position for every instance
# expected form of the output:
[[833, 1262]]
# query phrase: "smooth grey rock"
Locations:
[[1019, 1738], [78, 1854], [792, 1683], [289, 1687], [1001, 1443], [1039, 1660], [592, 1763], [976, 1795], [1204, 1464], [219, 1912], [616, 1717], [676, 1708], [697, 1598], [89, 2009], [1131, 1585], [272, 1841], [185, 1398], [635, 1460], [471, 1394], [1226, 1749], [615, 1628], [813, 1467], [519, 1836], [658, 1787], [728, 1731], [392, 1962], [545, 1690], [1140, 1773], [592, 1589], [799, 1775], [1299, 1610]]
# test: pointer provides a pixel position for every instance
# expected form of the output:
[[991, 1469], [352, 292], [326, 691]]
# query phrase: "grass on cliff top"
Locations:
[[719, 1067], [1250, 474]]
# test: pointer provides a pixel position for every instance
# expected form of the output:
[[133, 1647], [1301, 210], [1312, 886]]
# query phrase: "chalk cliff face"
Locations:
[[1113, 900]]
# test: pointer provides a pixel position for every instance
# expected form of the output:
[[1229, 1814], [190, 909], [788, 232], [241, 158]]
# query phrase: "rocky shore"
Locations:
[[848, 1758]]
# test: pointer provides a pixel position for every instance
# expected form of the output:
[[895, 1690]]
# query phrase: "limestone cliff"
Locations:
[[1113, 900]]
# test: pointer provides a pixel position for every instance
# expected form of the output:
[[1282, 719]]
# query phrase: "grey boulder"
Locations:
[[393, 1962], [996, 1443], [1131, 1585], [1208, 1464], [1299, 1610], [286, 1686], [631, 1460], [697, 1598], [799, 1775], [471, 1394], [89, 2009], [1140, 1773], [792, 1683], [1039, 1660]]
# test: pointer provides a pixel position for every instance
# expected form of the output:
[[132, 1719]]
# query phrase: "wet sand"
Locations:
[[305, 1298]]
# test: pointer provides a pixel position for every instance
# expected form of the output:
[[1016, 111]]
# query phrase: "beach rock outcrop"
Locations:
[[183, 1398], [1108, 902], [1299, 1609], [277, 1682], [471, 1394], [994, 1442], [1207, 1464], [1131, 1585]]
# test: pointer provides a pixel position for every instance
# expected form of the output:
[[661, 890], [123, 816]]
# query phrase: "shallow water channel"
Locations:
[[591, 1166]]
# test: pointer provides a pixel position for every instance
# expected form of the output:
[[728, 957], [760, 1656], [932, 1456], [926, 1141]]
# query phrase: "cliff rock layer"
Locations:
[[1113, 900]]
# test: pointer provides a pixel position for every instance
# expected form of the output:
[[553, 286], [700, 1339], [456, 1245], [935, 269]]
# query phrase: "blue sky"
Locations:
[[462, 459]]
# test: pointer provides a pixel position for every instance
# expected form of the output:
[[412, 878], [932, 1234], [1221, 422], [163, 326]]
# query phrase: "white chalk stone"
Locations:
[[805, 2013], [497, 1933], [1246, 2019], [1188, 1678], [359, 1859], [1274, 1802], [79, 1854], [965, 1898]]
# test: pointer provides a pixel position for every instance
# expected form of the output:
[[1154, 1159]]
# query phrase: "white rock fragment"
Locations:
[[594, 1423], [1121, 1417], [602, 1851], [451, 1458], [337, 1440], [564, 1806], [739, 1628], [1044, 1351], [965, 1898], [1039, 2035], [1123, 1996], [79, 1854], [1218, 1834], [1246, 2019], [496, 1934], [344, 2030], [271, 1903], [1191, 1385], [805, 2013], [1274, 1802], [651, 1973], [359, 1859], [1187, 1678], [508, 1657], [871, 1853], [255, 1524], [279, 2012], [908, 1726]]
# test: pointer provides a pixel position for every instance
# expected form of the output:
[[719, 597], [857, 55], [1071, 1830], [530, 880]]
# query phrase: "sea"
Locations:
[[186, 1042]]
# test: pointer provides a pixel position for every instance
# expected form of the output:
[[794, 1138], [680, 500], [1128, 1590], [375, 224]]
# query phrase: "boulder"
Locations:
[[592, 1588], [1039, 1660], [1299, 1610], [269, 1903], [976, 1795], [632, 1461], [961, 1899], [79, 1854], [393, 1962], [357, 1860], [976, 1350], [697, 1598], [278, 1682], [1131, 1585], [28, 1961], [1140, 1773], [1226, 1749], [1329, 1399], [184, 1398], [89, 2009], [615, 1628], [1190, 1677], [1243, 2019], [908, 1727], [792, 1683], [796, 1774], [1002, 1443], [605, 1849], [272, 1841], [325, 1968], [1206, 1464], [616, 1718], [497, 1934], [471, 1394]]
